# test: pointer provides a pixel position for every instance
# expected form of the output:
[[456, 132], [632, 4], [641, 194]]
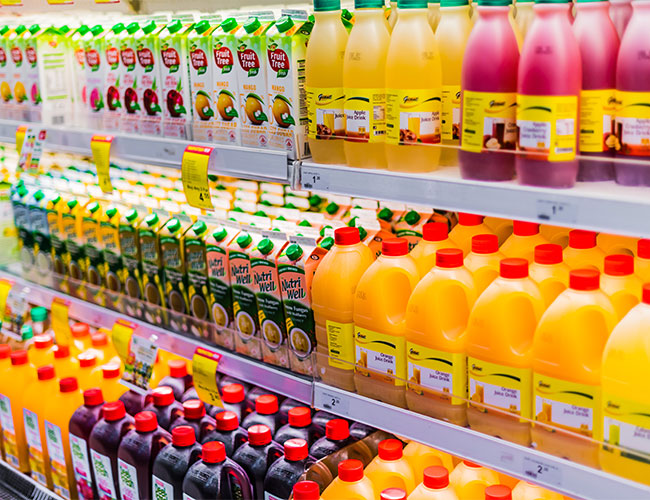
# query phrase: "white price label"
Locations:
[[332, 402], [539, 471], [314, 179], [556, 211]]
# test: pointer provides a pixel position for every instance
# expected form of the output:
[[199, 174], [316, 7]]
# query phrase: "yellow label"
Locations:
[[567, 405], [325, 113], [503, 387], [61, 321], [204, 371], [450, 116], [5, 287], [633, 122], [194, 174], [11, 3], [60, 2], [413, 116], [547, 126], [107, 1], [380, 356], [597, 109], [489, 121], [20, 137], [121, 335], [626, 424], [437, 374], [100, 145], [340, 344], [365, 115]]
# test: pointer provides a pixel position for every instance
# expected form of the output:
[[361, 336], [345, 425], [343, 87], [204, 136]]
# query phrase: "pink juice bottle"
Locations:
[[489, 88], [550, 78], [598, 42], [620, 12]]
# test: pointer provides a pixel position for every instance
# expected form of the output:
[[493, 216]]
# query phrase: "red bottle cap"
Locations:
[[177, 368], [61, 351], [643, 249], [110, 371], [390, 449], [306, 490], [485, 243], [113, 411], [266, 404], [259, 435], [584, 279], [146, 421], [68, 384], [645, 297], [465, 219], [548, 253], [45, 372], [194, 409], [435, 231], [213, 452], [295, 449], [18, 357], [393, 494], [233, 393], [350, 470], [163, 396], [299, 416], [227, 421], [93, 397], [337, 429], [5, 351], [619, 265], [345, 236], [513, 268], [79, 330], [498, 492], [87, 359], [523, 228], [436, 477], [183, 435], [99, 339], [394, 247], [449, 258], [43, 341], [581, 239]]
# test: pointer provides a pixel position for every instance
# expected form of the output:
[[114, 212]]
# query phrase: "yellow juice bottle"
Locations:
[[555, 234], [620, 283], [433, 14], [64, 364], [642, 263], [413, 92], [40, 352], [470, 480], [501, 227], [389, 469], [364, 82], [529, 491], [435, 236], [468, 225], [103, 348], [111, 387], [350, 483], [614, 243], [5, 367], [549, 271], [582, 251], [435, 486], [483, 261], [523, 240], [88, 376], [421, 457], [324, 83]]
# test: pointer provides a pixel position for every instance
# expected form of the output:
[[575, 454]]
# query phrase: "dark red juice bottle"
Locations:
[[257, 455], [178, 379], [299, 427], [228, 432], [192, 394], [266, 413], [166, 408], [286, 471], [256, 392], [173, 462], [134, 402], [286, 405], [234, 399], [194, 416], [337, 436]]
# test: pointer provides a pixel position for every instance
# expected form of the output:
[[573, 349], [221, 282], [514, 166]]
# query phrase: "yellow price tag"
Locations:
[[60, 2], [121, 335], [204, 369], [5, 287], [61, 321], [100, 145], [11, 3], [20, 137], [194, 174], [107, 1]]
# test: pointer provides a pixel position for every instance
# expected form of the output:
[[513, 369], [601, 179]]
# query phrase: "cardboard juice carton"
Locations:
[[201, 81], [54, 209], [131, 271], [41, 233], [410, 225], [94, 264], [77, 79], [170, 239], [149, 89], [109, 242], [224, 76], [96, 65], [17, 95], [131, 79], [113, 79], [153, 292], [196, 270], [6, 94], [31, 79]]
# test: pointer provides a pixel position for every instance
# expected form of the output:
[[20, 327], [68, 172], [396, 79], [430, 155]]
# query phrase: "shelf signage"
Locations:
[[100, 145], [61, 321], [204, 370], [194, 174]]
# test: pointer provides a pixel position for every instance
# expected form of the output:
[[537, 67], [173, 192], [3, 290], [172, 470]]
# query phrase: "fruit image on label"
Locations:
[[365, 115], [413, 116], [103, 476], [597, 121], [380, 356], [8, 432], [626, 424], [633, 122], [161, 489], [34, 445], [325, 112], [489, 121], [340, 344], [450, 116], [81, 463], [57, 460], [444, 373]]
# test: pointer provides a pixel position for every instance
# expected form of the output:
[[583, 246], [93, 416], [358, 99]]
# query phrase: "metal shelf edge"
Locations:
[[17, 483]]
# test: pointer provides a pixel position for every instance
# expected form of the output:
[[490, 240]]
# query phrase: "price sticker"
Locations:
[[314, 179], [100, 145], [20, 137], [11, 3], [61, 321], [121, 335], [332, 402], [204, 370], [544, 472], [60, 2], [556, 211], [194, 174]]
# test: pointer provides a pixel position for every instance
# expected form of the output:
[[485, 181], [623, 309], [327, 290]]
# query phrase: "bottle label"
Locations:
[[547, 126], [444, 373], [633, 122], [104, 476], [567, 405], [450, 116], [187, 497], [81, 463], [597, 124], [498, 386], [8, 432], [340, 344], [128, 481], [161, 489], [57, 459], [365, 115], [34, 445], [269, 496], [413, 116], [626, 427], [380, 356], [325, 113], [489, 121]]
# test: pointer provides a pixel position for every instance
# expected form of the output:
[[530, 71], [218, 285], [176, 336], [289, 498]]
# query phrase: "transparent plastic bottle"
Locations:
[[285, 472], [173, 462], [228, 432]]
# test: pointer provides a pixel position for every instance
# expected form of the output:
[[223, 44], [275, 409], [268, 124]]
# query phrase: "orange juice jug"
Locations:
[[470, 480], [529, 491], [468, 225], [433, 14], [64, 364], [389, 469], [81, 337], [40, 352], [497, 492], [332, 292], [435, 486], [435, 235], [306, 490], [567, 353], [549, 272], [324, 83], [89, 374], [582, 251], [501, 227], [111, 387], [350, 484], [499, 349], [620, 283], [421, 457], [642, 264], [364, 82], [436, 320], [525, 237], [614, 243], [103, 348], [380, 323], [555, 234], [413, 92], [483, 261]]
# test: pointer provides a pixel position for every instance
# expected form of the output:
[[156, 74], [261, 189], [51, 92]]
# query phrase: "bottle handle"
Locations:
[[238, 480]]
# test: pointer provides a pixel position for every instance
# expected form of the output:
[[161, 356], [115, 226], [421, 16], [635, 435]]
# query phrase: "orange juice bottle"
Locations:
[[525, 237], [497, 492], [380, 323], [421, 457], [529, 491], [499, 348], [620, 283], [435, 235], [350, 484], [567, 353], [470, 480], [64, 364], [555, 234], [111, 387], [40, 352], [89, 375], [468, 225], [436, 320], [501, 227], [483, 261], [103, 348], [81, 337], [642, 264], [614, 243], [582, 251], [435, 486], [389, 469], [549, 272]]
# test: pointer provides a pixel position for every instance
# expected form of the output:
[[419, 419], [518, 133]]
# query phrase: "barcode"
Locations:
[[58, 120]]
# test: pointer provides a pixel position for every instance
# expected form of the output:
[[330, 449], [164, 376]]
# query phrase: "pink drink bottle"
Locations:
[[620, 12]]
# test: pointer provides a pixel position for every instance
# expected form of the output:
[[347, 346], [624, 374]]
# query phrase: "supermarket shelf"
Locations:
[[525, 463], [15, 485]]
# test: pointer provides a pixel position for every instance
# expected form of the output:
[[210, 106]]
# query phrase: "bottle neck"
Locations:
[[544, 10], [491, 12], [366, 14], [408, 14], [327, 15]]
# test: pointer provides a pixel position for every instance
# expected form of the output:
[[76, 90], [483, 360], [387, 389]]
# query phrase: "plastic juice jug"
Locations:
[[469, 480], [178, 379], [413, 90], [555, 234], [287, 405], [529, 491], [266, 413], [469, 225], [421, 457], [435, 486], [498, 492], [64, 364], [620, 283], [435, 235], [257, 455], [489, 86], [380, 323], [501, 227], [103, 348], [642, 263], [227, 432], [324, 83], [285, 472], [57, 418], [173, 462], [306, 490], [350, 483], [433, 14], [111, 387], [134, 402], [298, 427], [525, 16], [81, 337], [389, 469], [549, 272], [483, 261], [40, 352], [436, 320], [582, 251], [194, 417], [337, 436], [88, 375], [525, 237], [614, 243], [164, 406], [252, 394], [232, 397], [499, 344]]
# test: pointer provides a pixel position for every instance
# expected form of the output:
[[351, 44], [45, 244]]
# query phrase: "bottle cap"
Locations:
[[393, 494], [19, 357], [87, 359], [259, 435], [645, 297], [61, 351], [331, 208], [584, 279], [294, 251], [411, 4], [337, 429], [5, 351], [194, 409], [45, 372], [265, 246], [68, 384], [220, 234], [350, 470], [395, 247], [326, 5], [619, 265], [38, 313], [523, 228], [471, 464], [299, 416], [227, 421], [344, 236], [252, 25], [581, 239], [412, 217], [449, 258], [213, 452], [465, 219], [295, 449], [113, 411], [79, 330], [643, 249], [306, 490], [327, 243], [146, 421], [436, 477], [183, 435], [513, 268], [499, 491], [435, 231], [485, 243], [228, 24], [548, 253], [163, 396], [43, 342], [26, 332], [177, 368], [233, 393], [385, 214], [110, 371], [99, 339], [93, 397], [266, 404], [390, 449]]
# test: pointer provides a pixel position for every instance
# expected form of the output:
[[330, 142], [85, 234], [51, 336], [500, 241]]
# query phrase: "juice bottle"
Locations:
[[498, 492], [436, 320], [350, 483], [306, 490], [337, 436], [525, 237], [529, 491], [173, 462], [620, 284], [164, 406], [232, 397], [614, 243], [549, 272], [435, 235], [81, 337], [389, 469], [483, 261], [413, 92], [88, 375], [642, 264], [422, 457], [64, 364], [298, 427], [548, 79], [57, 418], [470, 480], [194, 417], [620, 11], [435, 486], [380, 323], [555, 234], [489, 86], [82, 422], [324, 83], [451, 35], [433, 14], [136, 454], [582, 251], [103, 348], [228, 432], [499, 344], [40, 352], [501, 227], [286, 406], [266, 413], [178, 379], [111, 387], [364, 84], [469, 225], [257, 455], [525, 16], [285, 472]]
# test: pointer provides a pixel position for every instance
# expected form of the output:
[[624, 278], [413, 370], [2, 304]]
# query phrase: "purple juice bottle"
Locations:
[[257, 455], [134, 402], [173, 462], [234, 399], [266, 413], [285, 472], [178, 379], [228, 432], [298, 427], [194, 416], [165, 406]]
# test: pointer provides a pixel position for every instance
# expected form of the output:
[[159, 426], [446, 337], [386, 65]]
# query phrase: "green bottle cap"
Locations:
[[151, 219], [238, 209], [346, 15], [412, 218], [62, 29], [353, 222], [4, 29], [244, 240], [34, 28], [285, 23], [265, 246], [252, 25], [368, 4], [280, 218], [96, 30], [304, 223], [26, 332], [132, 28], [202, 26], [174, 26], [72, 204], [260, 213], [412, 4], [118, 28], [453, 3], [38, 195], [93, 207], [199, 227], [294, 252], [228, 24], [173, 225], [362, 233], [20, 29], [328, 242], [385, 214], [131, 215], [149, 27], [323, 230], [83, 29], [110, 212], [38, 313], [220, 234], [315, 200], [56, 199], [326, 5], [331, 208]]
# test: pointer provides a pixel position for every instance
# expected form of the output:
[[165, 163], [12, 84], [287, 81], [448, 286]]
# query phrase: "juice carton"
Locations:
[[41, 233], [196, 270], [94, 264], [131, 79], [152, 274], [16, 71], [170, 239], [5, 88], [226, 89], [54, 209], [71, 231], [109, 242], [149, 89], [130, 273], [93, 42], [410, 226], [286, 47], [113, 79], [201, 81], [31, 81], [78, 78], [252, 80]]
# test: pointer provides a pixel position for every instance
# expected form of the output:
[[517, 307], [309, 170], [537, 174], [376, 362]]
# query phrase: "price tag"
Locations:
[[314, 179], [538, 470], [334, 403], [138, 366], [107, 1], [100, 145], [5, 287], [20, 137], [204, 370], [11, 3], [121, 335], [556, 211], [194, 174], [60, 2], [61, 321]]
